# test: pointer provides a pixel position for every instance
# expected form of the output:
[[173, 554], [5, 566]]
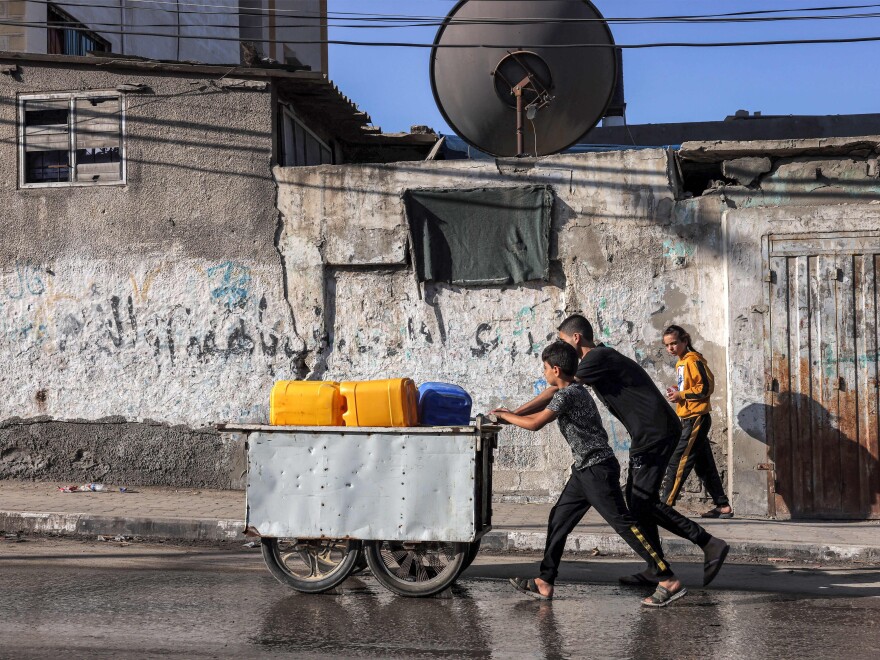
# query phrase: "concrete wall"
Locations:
[[774, 187], [630, 249], [624, 252], [160, 303], [134, 317]]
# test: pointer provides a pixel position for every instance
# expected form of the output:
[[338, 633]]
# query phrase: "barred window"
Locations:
[[72, 139]]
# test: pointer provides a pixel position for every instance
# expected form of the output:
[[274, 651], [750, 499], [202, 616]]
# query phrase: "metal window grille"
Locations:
[[72, 139]]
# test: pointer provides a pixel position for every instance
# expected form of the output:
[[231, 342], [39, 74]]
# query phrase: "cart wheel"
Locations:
[[310, 565], [415, 569], [472, 550]]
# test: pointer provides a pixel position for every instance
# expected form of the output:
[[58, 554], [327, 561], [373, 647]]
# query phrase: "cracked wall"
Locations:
[[623, 251], [161, 303], [133, 318], [827, 187], [630, 248]]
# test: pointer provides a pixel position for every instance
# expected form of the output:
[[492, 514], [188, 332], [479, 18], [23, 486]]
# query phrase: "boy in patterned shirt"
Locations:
[[595, 474]]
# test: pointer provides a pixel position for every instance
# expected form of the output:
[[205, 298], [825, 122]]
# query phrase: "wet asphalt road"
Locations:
[[86, 599]]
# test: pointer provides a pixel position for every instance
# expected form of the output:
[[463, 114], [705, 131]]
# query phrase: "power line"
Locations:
[[94, 25], [406, 44], [432, 21]]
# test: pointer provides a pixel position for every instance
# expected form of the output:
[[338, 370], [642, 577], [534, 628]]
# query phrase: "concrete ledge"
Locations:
[[114, 450], [79, 524]]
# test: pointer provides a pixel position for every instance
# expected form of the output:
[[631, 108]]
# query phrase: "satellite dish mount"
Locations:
[[524, 76]]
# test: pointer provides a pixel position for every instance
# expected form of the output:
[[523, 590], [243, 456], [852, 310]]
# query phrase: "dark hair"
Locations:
[[562, 355], [682, 335], [577, 324]]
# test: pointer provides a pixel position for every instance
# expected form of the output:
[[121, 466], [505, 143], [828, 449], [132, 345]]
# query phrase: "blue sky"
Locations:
[[662, 85]]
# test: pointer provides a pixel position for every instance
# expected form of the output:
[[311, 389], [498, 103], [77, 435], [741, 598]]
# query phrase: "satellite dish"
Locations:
[[522, 97]]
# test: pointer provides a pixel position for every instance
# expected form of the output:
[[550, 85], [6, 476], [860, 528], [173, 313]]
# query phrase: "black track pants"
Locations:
[[597, 486], [642, 491], [694, 452]]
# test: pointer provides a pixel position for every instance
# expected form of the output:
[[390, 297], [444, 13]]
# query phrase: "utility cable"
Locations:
[[430, 21], [406, 44], [300, 25]]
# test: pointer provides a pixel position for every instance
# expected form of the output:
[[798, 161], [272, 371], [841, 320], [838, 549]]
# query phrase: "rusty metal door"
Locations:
[[823, 397]]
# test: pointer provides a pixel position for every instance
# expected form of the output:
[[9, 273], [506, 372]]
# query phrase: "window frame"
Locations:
[[71, 97]]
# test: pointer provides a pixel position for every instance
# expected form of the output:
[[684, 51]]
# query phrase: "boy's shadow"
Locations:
[[821, 472]]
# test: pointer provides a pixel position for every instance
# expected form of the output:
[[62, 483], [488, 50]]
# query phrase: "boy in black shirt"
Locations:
[[595, 478], [631, 396]]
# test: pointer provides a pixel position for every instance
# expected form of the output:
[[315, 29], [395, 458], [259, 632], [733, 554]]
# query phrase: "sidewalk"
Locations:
[[218, 515]]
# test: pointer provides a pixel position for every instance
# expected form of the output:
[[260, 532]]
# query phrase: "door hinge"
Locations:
[[770, 277]]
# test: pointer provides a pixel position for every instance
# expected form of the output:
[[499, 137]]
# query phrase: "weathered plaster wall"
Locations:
[[624, 252], [134, 317], [764, 188], [748, 344], [162, 299], [631, 249]]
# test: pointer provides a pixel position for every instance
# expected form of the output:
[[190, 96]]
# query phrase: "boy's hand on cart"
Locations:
[[497, 415]]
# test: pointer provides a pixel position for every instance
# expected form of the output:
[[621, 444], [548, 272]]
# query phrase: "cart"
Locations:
[[410, 503]]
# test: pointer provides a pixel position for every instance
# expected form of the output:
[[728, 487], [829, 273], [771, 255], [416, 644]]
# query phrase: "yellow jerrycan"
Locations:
[[393, 402], [306, 403]]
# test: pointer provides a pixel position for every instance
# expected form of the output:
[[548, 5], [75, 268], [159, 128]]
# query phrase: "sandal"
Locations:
[[662, 597], [637, 580], [713, 565], [716, 513], [528, 587]]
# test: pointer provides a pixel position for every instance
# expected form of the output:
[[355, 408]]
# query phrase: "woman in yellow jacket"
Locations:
[[691, 396]]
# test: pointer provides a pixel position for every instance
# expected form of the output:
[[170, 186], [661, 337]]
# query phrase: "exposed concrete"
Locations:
[[199, 515], [181, 296], [162, 299], [716, 151], [623, 250], [116, 451], [745, 170], [749, 381], [173, 35]]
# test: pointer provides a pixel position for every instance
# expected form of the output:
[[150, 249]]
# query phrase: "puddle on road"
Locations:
[[187, 613]]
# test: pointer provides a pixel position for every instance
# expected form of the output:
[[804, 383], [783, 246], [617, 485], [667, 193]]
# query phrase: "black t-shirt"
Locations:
[[631, 396]]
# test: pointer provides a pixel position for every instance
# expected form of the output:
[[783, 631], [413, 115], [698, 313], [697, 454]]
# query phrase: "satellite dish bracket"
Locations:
[[532, 83]]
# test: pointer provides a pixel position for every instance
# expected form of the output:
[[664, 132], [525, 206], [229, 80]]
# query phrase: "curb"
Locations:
[[504, 541], [499, 540]]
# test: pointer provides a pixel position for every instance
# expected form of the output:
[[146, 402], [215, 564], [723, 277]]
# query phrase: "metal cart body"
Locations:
[[404, 488]]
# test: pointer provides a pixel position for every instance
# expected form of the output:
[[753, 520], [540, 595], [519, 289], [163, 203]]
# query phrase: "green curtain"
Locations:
[[480, 236]]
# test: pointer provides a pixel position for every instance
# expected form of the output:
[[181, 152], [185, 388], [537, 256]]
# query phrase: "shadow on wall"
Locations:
[[821, 472]]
